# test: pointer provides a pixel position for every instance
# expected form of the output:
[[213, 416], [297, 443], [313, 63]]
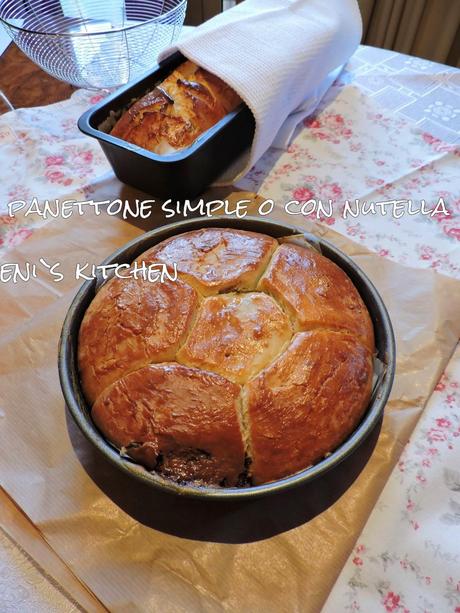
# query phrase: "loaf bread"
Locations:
[[250, 367], [174, 114]]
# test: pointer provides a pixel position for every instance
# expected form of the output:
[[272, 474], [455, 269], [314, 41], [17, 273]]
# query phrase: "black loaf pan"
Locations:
[[70, 383], [181, 175]]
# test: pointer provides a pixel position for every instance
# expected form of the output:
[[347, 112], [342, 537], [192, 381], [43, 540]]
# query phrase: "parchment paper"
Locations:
[[138, 550]]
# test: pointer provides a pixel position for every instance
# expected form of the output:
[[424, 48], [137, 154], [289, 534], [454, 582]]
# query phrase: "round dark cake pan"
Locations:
[[81, 413]]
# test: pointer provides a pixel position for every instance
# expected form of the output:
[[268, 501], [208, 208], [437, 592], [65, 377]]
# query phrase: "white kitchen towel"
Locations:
[[280, 56]]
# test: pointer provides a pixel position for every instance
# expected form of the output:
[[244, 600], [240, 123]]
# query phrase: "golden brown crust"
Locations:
[[130, 323], [215, 260], [191, 422], [236, 335], [176, 112], [182, 422], [316, 292], [307, 402]]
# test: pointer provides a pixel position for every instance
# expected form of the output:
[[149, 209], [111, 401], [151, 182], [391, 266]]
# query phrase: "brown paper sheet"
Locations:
[[139, 550]]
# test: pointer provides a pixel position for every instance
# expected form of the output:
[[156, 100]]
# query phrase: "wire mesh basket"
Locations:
[[95, 44]]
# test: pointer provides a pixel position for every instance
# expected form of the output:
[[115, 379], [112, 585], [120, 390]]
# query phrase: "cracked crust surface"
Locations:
[[131, 323], [216, 260], [180, 421], [316, 292], [236, 335], [180, 109], [306, 402]]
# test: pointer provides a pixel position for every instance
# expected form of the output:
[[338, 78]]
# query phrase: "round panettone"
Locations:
[[252, 365]]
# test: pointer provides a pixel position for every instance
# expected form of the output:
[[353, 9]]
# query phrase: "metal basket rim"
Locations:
[[84, 34]]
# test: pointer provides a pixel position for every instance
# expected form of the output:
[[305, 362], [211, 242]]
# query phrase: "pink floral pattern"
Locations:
[[408, 556], [352, 150], [44, 146]]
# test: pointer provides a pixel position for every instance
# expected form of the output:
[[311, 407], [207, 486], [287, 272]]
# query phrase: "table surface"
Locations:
[[25, 84], [422, 91], [418, 93]]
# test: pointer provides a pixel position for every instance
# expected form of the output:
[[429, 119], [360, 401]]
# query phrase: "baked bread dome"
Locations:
[[254, 364], [181, 108]]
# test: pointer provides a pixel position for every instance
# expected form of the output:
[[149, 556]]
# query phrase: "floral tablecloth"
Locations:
[[377, 154], [408, 557], [24, 586], [387, 131]]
